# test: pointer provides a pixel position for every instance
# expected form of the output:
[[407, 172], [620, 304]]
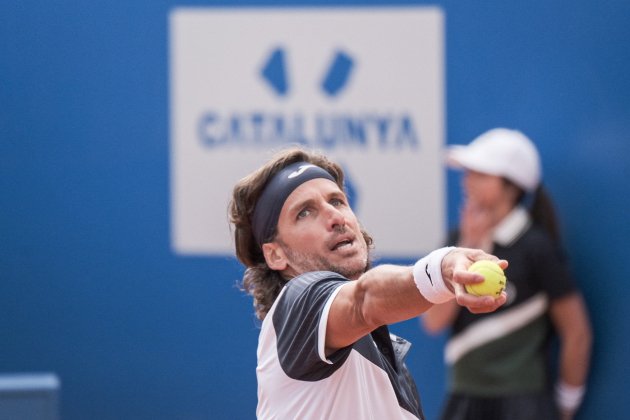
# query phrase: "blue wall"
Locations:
[[89, 287]]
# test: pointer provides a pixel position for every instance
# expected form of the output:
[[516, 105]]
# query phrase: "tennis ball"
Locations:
[[494, 282]]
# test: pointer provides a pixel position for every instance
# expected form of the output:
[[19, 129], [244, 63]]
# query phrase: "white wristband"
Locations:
[[427, 274], [569, 397]]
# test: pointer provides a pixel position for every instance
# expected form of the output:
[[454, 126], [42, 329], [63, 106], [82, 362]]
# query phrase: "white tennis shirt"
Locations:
[[367, 380]]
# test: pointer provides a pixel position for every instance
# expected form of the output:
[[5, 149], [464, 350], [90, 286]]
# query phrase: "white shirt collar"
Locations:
[[512, 226]]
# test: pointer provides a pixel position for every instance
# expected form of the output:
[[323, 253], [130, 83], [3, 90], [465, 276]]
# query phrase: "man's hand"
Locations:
[[456, 275]]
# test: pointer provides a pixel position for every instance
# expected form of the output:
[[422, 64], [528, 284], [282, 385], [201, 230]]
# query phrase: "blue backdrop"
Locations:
[[89, 287]]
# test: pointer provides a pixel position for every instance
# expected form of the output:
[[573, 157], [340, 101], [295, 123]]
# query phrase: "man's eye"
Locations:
[[302, 214], [336, 202]]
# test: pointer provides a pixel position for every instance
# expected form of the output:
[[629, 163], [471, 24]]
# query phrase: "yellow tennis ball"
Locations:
[[494, 282]]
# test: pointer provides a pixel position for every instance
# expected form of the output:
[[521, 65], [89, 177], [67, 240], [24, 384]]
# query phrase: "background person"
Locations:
[[324, 348], [499, 363]]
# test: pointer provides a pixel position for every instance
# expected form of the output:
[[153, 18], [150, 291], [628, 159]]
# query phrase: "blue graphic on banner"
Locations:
[[338, 74], [260, 128], [351, 189], [274, 72]]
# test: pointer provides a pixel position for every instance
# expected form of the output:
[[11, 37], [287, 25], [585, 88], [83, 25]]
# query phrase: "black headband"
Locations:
[[269, 205]]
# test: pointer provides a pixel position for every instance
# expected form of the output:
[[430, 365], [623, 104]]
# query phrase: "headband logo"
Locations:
[[301, 169]]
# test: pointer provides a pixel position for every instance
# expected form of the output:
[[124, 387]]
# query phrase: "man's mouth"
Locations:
[[342, 244]]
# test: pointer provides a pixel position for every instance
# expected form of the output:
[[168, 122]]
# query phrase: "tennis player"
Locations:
[[324, 349]]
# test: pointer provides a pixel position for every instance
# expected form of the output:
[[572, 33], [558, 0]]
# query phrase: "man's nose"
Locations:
[[336, 218]]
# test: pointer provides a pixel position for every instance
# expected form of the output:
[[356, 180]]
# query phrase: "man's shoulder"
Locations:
[[312, 284], [315, 276]]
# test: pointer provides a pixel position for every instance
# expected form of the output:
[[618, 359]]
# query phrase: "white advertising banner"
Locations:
[[365, 85]]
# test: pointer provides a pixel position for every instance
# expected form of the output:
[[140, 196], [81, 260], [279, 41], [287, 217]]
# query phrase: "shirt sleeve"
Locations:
[[299, 321]]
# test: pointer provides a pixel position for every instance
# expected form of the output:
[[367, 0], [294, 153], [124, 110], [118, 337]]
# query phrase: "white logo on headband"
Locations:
[[300, 170]]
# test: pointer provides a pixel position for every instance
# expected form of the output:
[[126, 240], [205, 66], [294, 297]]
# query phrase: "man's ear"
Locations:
[[274, 256]]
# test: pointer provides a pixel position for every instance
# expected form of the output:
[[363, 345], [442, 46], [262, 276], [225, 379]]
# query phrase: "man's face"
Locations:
[[318, 231]]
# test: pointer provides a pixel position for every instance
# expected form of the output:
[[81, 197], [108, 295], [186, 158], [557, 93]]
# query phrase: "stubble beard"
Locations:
[[304, 263]]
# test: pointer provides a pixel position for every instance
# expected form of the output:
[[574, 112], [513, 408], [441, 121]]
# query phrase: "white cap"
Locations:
[[501, 152]]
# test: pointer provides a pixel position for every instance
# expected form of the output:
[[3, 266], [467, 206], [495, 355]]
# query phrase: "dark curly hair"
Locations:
[[263, 283]]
